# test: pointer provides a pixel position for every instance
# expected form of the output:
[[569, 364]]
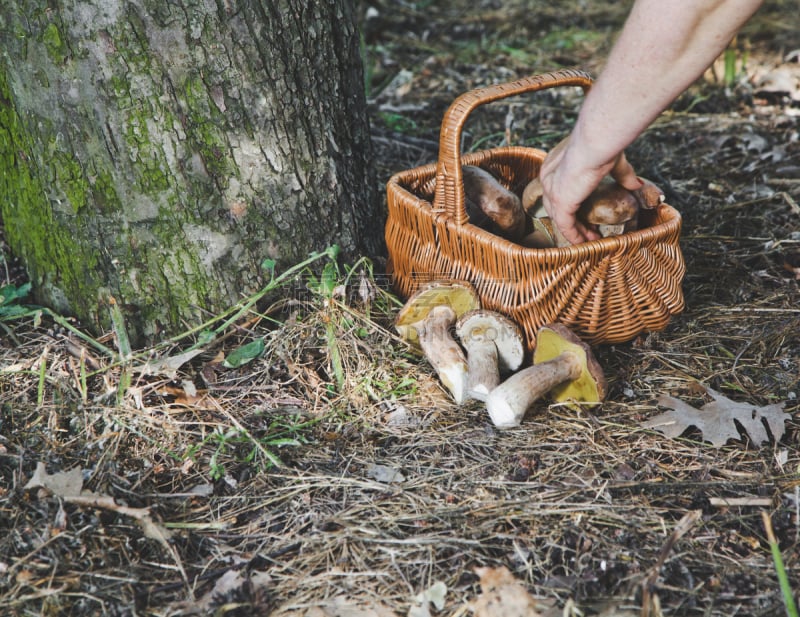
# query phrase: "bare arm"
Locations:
[[664, 47]]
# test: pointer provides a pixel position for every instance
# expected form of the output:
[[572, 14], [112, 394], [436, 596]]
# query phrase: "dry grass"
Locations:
[[579, 506]]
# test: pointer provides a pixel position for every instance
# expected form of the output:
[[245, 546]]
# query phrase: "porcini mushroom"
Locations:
[[649, 196], [532, 199], [542, 236], [426, 319], [494, 345], [611, 208], [443, 353], [563, 365], [491, 205]]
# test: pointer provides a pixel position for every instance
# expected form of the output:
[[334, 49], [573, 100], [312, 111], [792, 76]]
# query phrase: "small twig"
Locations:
[[151, 529], [733, 502], [789, 200], [649, 582]]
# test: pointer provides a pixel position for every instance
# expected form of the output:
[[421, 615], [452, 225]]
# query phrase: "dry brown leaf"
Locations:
[[340, 607], [68, 486], [61, 483], [167, 366], [502, 595], [717, 419]]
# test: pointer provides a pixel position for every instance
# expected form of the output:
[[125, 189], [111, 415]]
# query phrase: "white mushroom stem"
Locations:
[[483, 368], [443, 353], [509, 401]]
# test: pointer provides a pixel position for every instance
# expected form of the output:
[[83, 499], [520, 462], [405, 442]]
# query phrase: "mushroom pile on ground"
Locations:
[[491, 346], [611, 209]]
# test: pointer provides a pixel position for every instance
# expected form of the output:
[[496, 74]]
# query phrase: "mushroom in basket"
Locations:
[[611, 208], [492, 206]]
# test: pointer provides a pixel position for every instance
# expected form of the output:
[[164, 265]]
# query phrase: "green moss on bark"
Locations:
[[69, 177], [29, 226], [104, 193], [54, 43], [203, 122]]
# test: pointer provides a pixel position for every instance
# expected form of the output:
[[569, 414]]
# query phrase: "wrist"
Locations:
[[588, 150]]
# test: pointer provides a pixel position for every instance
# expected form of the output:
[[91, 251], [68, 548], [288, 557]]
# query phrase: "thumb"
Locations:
[[624, 174]]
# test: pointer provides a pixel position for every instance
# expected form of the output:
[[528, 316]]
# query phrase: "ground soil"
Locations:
[[332, 475]]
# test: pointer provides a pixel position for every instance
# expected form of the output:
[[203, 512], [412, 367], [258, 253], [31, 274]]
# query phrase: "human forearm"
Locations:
[[664, 47]]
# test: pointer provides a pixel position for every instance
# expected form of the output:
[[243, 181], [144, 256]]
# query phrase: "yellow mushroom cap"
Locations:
[[458, 295], [555, 339]]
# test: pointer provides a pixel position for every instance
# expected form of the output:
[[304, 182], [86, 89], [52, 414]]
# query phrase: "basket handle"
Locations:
[[449, 197]]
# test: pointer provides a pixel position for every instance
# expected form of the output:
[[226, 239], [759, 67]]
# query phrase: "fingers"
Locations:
[[624, 174], [567, 180]]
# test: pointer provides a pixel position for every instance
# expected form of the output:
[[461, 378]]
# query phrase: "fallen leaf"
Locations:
[[61, 484], [226, 586], [384, 474], [717, 419], [502, 595], [339, 607], [435, 594], [244, 354], [167, 366]]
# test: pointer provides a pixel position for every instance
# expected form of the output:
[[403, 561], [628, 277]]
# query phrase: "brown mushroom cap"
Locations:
[[609, 204], [458, 295], [649, 196], [555, 339]]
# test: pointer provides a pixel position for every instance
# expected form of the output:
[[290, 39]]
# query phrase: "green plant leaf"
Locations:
[[10, 293], [328, 280], [244, 354], [269, 265]]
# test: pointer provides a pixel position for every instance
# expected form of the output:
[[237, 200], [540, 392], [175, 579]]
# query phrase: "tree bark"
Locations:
[[158, 152]]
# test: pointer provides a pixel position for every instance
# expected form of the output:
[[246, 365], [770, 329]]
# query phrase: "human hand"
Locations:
[[567, 181]]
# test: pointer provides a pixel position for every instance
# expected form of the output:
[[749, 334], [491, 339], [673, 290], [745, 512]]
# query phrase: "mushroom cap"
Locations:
[[532, 198], [590, 387], [458, 295], [483, 325], [492, 205], [649, 196], [609, 204]]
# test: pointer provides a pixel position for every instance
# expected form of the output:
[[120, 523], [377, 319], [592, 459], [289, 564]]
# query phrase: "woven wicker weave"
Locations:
[[607, 291]]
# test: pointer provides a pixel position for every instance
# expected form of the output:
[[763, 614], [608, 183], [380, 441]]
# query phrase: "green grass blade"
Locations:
[[783, 579]]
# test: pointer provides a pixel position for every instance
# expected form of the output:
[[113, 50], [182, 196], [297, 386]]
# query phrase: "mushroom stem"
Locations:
[[483, 373], [443, 353], [494, 344], [509, 401]]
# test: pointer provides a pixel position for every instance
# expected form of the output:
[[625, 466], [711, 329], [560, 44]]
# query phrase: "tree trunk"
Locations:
[[159, 152]]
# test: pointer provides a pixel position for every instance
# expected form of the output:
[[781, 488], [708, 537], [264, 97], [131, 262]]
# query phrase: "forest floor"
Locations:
[[307, 463]]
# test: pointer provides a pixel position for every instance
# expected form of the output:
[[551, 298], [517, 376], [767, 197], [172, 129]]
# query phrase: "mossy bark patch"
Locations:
[[158, 153]]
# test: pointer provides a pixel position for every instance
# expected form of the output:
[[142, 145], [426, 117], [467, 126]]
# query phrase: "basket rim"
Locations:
[[671, 218]]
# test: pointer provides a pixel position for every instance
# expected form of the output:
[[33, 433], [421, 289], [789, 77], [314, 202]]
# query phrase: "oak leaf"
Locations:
[[718, 419]]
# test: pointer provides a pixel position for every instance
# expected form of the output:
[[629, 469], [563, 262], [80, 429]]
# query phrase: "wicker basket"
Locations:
[[607, 290]]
